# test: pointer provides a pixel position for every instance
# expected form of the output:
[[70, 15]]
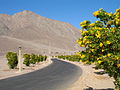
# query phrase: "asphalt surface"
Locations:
[[57, 76]]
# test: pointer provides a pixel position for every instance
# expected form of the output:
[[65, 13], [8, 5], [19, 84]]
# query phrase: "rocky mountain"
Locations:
[[36, 34]]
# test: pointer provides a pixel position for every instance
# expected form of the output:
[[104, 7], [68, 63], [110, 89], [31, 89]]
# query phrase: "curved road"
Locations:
[[57, 76]]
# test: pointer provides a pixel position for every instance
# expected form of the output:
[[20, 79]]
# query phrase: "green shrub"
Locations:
[[40, 58], [45, 58], [33, 59], [26, 59], [70, 57], [12, 59]]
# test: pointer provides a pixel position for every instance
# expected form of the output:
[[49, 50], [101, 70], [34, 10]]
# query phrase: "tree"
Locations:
[[102, 42]]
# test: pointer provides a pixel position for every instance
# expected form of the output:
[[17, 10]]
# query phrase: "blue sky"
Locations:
[[70, 11]]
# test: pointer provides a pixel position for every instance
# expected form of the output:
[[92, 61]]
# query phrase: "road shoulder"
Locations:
[[89, 79]]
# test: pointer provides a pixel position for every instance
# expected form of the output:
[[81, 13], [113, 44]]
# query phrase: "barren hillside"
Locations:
[[36, 34]]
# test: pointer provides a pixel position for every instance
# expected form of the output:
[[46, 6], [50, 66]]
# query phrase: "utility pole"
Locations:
[[19, 60], [49, 50]]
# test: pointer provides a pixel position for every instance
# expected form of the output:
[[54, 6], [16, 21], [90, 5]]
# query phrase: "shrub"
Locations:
[[26, 59], [70, 57], [33, 59], [45, 58], [41, 58], [12, 59]]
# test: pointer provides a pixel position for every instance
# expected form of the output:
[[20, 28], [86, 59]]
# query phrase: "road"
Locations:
[[57, 76]]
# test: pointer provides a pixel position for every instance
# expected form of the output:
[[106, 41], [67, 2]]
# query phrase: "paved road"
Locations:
[[57, 76]]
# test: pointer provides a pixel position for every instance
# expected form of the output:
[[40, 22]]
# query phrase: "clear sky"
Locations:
[[70, 11]]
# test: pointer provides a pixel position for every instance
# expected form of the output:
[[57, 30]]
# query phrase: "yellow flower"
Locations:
[[117, 10], [78, 53], [84, 41], [98, 58], [92, 24], [96, 13], [82, 56], [80, 42], [118, 65], [84, 23], [81, 23], [98, 28], [109, 14], [99, 62], [90, 45], [117, 21], [80, 60], [112, 30], [105, 56], [101, 44], [87, 42], [82, 45], [117, 58], [110, 22], [92, 50], [108, 42], [77, 41], [85, 37], [84, 32], [81, 31], [98, 35], [108, 54], [97, 21], [103, 50]]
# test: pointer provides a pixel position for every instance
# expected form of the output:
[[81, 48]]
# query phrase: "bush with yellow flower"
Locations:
[[102, 42]]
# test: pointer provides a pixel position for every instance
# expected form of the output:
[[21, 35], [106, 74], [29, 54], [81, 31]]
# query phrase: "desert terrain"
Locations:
[[40, 35]]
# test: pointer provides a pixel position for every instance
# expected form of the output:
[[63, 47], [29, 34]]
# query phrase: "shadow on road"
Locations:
[[100, 72], [90, 88]]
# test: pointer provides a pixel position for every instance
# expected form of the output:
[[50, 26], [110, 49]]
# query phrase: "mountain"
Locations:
[[36, 34]]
